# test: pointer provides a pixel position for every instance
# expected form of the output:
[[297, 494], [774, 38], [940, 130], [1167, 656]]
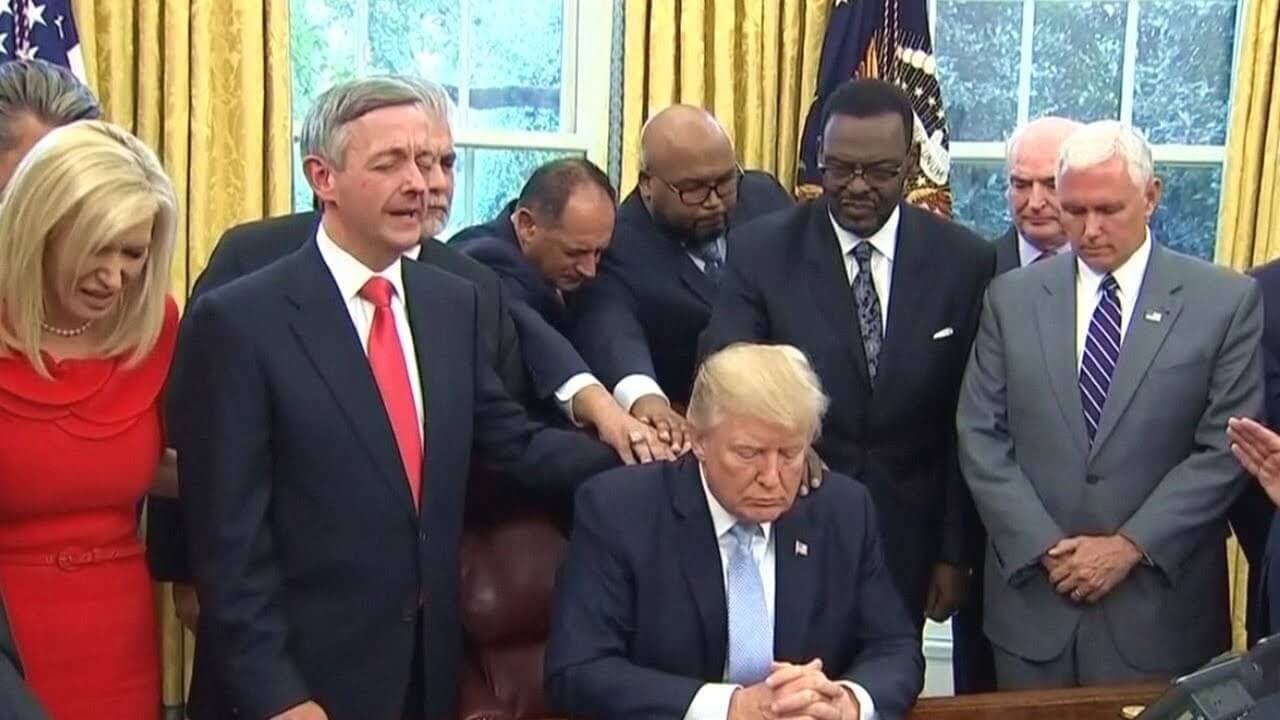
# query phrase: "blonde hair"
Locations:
[[774, 383], [86, 182]]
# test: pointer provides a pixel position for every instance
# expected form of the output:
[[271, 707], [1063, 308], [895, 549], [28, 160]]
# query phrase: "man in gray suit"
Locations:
[[1103, 482], [1031, 160]]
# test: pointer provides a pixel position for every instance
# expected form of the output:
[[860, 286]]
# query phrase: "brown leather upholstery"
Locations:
[[508, 576]]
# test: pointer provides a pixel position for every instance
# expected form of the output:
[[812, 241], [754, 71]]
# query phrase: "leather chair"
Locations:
[[508, 578]]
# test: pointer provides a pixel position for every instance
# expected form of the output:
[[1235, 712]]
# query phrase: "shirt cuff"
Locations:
[[866, 706], [570, 389], [633, 387], [711, 702]]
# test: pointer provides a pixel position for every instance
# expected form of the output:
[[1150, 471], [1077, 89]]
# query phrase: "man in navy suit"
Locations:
[[332, 401], [705, 588], [884, 298], [544, 245], [637, 324]]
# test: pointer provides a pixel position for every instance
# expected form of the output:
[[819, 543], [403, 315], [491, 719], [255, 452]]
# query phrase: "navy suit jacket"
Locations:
[[1007, 254], [642, 315], [785, 282], [640, 621], [252, 246], [312, 565], [1253, 515], [536, 307]]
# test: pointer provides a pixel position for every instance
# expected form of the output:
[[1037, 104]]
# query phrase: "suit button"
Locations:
[[422, 536], [409, 613], [1092, 479]]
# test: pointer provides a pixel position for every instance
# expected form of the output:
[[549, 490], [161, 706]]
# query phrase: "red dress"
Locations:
[[76, 457]]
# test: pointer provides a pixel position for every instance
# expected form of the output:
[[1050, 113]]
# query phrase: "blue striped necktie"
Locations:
[[1101, 352]]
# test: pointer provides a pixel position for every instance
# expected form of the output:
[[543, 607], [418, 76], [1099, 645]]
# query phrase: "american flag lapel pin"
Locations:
[[1154, 316], [802, 549]]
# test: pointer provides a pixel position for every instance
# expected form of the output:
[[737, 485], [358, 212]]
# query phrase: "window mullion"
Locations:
[[1024, 60], [1129, 62]]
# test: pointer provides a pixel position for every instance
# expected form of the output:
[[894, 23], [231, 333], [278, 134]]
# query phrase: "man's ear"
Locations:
[[320, 176]]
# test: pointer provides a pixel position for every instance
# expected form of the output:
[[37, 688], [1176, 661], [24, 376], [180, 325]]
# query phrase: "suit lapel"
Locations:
[[908, 291], [1007, 257], [832, 293], [1154, 313], [700, 561], [695, 279], [796, 584], [1056, 321], [329, 340], [437, 336]]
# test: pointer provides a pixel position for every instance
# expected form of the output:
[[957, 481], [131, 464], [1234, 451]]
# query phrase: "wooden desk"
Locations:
[[1100, 703]]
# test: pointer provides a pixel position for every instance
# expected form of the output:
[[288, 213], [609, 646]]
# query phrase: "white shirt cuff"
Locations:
[[633, 387], [711, 702], [570, 389], [866, 706]]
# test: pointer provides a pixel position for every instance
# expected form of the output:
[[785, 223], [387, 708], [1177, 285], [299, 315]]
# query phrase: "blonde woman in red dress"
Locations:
[[87, 330]]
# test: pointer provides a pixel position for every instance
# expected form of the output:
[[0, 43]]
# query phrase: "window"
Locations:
[[530, 79], [1163, 65]]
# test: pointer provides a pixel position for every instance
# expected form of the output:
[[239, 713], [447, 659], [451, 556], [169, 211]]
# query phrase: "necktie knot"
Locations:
[[744, 534], [1110, 286], [1043, 256], [862, 252], [378, 290]]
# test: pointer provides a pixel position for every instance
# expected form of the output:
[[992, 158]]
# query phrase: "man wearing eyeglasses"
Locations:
[[884, 298], [637, 323]]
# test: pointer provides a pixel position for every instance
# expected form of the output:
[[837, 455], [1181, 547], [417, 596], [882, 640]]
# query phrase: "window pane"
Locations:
[[322, 50], [1182, 83], [978, 189], [516, 62], [978, 51], [418, 38], [1187, 217], [499, 174], [1077, 58]]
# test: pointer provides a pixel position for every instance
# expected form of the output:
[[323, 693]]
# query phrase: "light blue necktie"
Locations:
[[750, 629]]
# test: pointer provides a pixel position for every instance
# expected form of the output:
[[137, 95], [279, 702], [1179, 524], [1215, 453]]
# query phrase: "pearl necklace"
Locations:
[[61, 332]]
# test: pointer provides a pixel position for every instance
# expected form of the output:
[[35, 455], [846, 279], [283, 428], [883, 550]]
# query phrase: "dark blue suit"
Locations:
[[1252, 516], [642, 315], [317, 577], [785, 282], [536, 307], [640, 620]]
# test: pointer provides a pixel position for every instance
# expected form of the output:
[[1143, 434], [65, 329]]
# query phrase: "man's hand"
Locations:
[[751, 703], [947, 591], [813, 469], [634, 441], [1258, 450], [165, 481], [656, 412], [186, 606], [305, 711], [1091, 566], [804, 691]]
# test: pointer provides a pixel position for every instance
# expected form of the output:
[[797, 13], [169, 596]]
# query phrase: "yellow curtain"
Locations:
[[751, 63], [1249, 231], [206, 84], [1249, 228]]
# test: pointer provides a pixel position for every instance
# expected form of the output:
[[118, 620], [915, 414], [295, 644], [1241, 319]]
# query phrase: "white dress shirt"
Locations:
[[350, 274], [1027, 253], [711, 702], [883, 242], [1089, 291], [633, 387]]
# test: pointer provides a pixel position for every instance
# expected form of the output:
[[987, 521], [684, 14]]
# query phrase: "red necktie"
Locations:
[[386, 359]]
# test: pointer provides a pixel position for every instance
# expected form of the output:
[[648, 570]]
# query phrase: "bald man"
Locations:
[[1032, 161], [637, 324]]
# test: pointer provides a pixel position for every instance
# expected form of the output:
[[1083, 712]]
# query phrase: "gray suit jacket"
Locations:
[[1159, 471], [16, 698]]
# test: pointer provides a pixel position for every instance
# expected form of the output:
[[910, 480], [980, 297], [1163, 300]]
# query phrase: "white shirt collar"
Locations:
[[883, 240], [722, 520], [1027, 252], [1128, 276], [350, 273]]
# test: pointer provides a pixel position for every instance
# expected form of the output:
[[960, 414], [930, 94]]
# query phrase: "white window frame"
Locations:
[[1161, 153], [584, 97]]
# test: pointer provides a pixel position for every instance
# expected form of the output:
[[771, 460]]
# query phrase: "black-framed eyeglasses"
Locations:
[[694, 195], [841, 173]]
